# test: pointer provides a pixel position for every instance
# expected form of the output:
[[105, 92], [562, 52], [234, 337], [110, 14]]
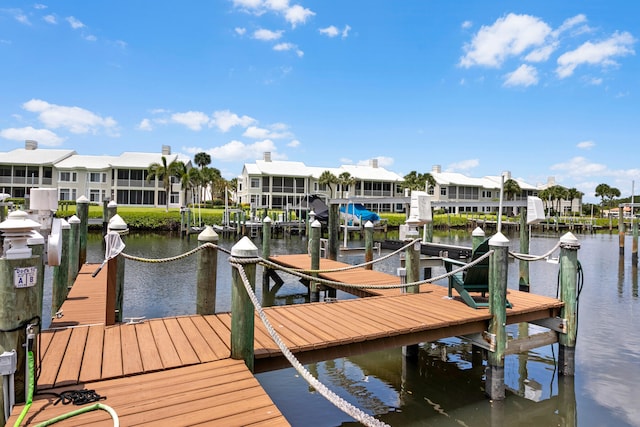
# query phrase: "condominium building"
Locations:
[[277, 184], [121, 178]]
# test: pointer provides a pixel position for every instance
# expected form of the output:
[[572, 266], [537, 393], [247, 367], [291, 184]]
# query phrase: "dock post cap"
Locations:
[[478, 232], [368, 224], [498, 239], [316, 224], [208, 235], [112, 204], [64, 224], [117, 223], [244, 248], [568, 239], [266, 219], [74, 220], [82, 199]]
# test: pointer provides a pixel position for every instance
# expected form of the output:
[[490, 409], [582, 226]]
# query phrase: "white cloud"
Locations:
[[51, 19], [294, 143], [90, 38], [75, 23], [595, 81], [297, 14], [330, 31], [508, 36], [240, 31], [525, 75], [278, 5], [194, 120], [145, 125], [586, 145], [542, 54], [580, 167], [248, 4], [238, 151], [267, 35], [602, 53], [75, 119], [225, 120], [570, 23], [284, 46], [39, 6], [383, 161], [277, 132], [43, 136], [463, 165], [466, 24]]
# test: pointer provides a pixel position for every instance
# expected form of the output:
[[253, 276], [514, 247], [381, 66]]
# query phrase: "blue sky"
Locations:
[[539, 88]]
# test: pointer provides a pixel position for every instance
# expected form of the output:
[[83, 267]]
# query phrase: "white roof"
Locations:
[[523, 185], [453, 178], [22, 156], [140, 160], [86, 162], [299, 169]]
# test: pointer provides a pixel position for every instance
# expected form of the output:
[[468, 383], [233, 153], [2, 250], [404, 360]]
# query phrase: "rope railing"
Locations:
[[336, 400], [176, 257], [528, 257]]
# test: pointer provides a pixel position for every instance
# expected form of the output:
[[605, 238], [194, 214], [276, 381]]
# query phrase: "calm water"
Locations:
[[443, 387]]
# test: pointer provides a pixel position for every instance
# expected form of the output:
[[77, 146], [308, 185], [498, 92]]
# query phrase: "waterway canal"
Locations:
[[443, 388]]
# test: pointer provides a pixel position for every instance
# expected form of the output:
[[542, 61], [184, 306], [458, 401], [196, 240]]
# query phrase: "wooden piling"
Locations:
[[316, 233], [117, 225], [569, 246], [498, 273], [634, 249], [368, 244], [477, 237], [242, 317], [334, 231], [412, 270], [19, 306], [206, 280], [266, 251], [60, 287], [621, 232], [524, 280], [74, 250], [82, 208]]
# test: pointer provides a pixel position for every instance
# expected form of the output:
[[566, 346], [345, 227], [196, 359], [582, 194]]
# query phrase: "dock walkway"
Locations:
[[130, 362]]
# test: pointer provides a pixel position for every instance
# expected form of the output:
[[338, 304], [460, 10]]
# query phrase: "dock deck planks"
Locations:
[[150, 362]]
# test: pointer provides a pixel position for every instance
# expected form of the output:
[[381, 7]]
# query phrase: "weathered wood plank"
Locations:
[[180, 342], [168, 353], [131, 358], [112, 353], [91, 369], [70, 366], [149, 354]]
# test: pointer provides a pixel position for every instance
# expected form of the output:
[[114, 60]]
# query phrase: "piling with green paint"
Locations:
[[207, 272], [569, 266]]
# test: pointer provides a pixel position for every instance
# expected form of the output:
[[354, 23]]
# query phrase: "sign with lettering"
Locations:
[[25, 277]]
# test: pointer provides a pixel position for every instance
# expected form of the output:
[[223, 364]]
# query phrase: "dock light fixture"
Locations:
[[17, 229]]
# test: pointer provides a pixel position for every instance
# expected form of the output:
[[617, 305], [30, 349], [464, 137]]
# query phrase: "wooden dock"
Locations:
[[158, 371]]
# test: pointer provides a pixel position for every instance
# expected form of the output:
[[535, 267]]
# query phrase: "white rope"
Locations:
[[527, 257], [336, 400], [177, 257]]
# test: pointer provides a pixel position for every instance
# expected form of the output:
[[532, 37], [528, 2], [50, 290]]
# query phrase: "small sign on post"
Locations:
[[25, 277]]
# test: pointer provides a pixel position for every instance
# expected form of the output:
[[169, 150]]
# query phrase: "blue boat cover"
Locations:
[[359, 211]]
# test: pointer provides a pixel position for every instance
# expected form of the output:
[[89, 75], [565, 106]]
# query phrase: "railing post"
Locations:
[[621, 230], [569, 246], [74, 249], [634, 250], [524, 280], [498, 265], [117, 224], [242, 313], [316, 230], [60, 287], [82, 207], [206, 280], [368, 244], [412, 269], [477, 237]]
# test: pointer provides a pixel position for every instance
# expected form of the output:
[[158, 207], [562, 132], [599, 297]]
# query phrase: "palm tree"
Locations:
[[163, 171], [346, 180], [182, 173], [573, 194], [512, 188], [327, 178], [202, 159], [602, 191], [558, 193]]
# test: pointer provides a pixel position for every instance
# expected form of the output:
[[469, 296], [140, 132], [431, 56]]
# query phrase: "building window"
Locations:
[[97, 177], [486, 194], [68, 176], [443, 191], [94, 196], [67, 194], [255, 182]]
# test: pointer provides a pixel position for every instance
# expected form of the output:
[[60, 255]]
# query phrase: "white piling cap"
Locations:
[[478, 232], [569, 239], [368, 224], [498, 239], [64, 225], [112, 204], [266, 219], [316, 224], [74, 220], [208, 235], [244, 248], [82, 199], [117, 223]]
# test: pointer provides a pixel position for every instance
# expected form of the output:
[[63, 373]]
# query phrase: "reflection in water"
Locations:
[[445, 384]]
